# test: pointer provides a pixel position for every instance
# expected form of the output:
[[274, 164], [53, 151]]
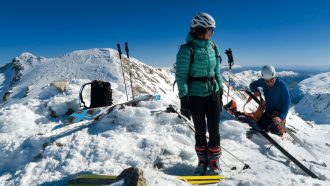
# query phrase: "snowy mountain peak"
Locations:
[[24, 61], [33, 73], [25, 56]]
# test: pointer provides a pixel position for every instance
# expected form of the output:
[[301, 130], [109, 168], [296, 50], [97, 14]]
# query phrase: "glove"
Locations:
[[277, 120], [229, 53], [185, 106], [257, 93]]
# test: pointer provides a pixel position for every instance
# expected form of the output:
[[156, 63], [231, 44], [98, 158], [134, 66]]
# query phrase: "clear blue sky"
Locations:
[[279, 32]]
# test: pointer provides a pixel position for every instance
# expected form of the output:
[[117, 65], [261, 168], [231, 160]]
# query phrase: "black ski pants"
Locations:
[[205, 112], [266, 121]]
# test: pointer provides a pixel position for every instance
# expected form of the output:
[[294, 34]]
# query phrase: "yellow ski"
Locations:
[[213, 177], [202, 179], [96, 179]]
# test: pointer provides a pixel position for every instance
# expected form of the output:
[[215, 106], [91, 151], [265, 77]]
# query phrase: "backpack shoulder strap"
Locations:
[[80, 94], [191, 49], [215, 48], [192, 54]]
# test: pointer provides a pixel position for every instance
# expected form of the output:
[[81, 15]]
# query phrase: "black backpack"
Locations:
[[101, 94]]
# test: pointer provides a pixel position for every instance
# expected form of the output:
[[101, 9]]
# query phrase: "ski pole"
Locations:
[[246, 166], [229, 54], [122, 69], [130, 73]]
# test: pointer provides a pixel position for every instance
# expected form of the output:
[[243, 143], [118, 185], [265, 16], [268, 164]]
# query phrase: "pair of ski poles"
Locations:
[[122, 69]]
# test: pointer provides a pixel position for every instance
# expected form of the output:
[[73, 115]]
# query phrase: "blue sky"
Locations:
[[259, 32]]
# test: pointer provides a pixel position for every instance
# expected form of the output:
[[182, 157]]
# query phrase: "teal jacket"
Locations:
[[205, 64]]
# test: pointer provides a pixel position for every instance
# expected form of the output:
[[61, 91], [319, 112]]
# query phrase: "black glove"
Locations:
[[185, 106], [229, 53]]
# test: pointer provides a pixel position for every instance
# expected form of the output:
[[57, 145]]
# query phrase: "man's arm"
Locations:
[[254, 86], [286, 101]]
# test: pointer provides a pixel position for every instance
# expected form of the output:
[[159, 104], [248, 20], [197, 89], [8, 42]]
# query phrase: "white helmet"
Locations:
[[204, 20], [268, 72]]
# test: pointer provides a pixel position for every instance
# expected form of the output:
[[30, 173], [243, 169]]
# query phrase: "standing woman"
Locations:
[[200, 90]]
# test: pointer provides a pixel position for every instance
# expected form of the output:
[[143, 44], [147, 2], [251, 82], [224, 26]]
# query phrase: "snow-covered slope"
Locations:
[[157, 142], [28, 73], [313, 98]]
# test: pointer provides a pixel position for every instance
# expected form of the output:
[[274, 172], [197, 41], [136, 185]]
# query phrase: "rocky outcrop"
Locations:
[[132, 177], [18, 68], [60, 85], [7, 95]]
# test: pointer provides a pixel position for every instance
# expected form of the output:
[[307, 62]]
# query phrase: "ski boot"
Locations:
[[214, 154], [231, 106], [202, 161]]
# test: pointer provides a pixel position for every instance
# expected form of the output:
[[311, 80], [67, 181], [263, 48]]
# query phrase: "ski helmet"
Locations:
[[267, 72], [204, 20]]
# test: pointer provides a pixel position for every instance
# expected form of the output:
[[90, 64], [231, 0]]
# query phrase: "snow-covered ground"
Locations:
[[313, 95], [157, 142]]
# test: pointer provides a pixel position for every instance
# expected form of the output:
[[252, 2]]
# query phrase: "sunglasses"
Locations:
[[210, 29], [270, 80]]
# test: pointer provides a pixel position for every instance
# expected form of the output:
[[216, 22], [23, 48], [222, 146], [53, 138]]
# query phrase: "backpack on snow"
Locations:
[[101, 94]]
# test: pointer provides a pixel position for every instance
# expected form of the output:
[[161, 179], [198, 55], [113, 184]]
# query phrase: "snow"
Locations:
[[23, 117], [158, 142], [318, 84], [313, 98]]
